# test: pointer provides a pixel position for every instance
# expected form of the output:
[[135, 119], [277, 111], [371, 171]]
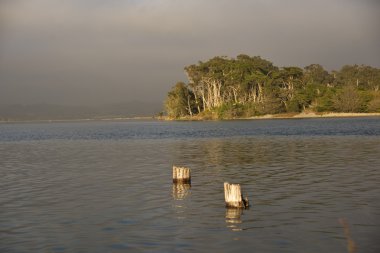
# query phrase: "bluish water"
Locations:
[[106, 186], [138, 130]]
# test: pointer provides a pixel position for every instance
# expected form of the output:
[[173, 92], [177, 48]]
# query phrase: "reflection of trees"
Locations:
[[245, 160], [225, 152], [259, 162], [250, 152]]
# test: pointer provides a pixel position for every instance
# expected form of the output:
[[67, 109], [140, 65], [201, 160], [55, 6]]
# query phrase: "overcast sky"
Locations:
[[110, 51]]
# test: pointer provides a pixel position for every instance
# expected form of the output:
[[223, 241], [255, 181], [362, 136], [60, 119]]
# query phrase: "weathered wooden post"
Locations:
[[181, 175], [233, 196]]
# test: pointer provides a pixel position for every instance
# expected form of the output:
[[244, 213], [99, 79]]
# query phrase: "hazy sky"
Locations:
[[110, 51]]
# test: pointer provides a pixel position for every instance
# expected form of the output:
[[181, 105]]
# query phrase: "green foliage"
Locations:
[[303, 97], [324, 100], [180, 101], [250, 110], [246, 86], [294, 106], [230, 111], [272, 105], [316, 74]]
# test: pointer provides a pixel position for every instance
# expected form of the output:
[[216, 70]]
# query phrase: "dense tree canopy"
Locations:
[[249, 86]]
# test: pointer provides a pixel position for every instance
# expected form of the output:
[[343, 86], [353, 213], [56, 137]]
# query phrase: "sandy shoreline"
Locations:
[[316, 115], [282, 116]]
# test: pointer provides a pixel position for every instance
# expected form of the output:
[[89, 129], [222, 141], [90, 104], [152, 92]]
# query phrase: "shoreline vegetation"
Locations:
[[248, 87]]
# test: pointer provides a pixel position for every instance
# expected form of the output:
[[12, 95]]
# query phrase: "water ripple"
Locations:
[[106, 195]]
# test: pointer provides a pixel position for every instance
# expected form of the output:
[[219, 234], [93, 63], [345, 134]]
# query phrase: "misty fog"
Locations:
[[103, 52]]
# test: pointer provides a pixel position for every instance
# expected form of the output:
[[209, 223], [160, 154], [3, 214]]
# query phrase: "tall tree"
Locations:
[[233, 85], [180, 101]]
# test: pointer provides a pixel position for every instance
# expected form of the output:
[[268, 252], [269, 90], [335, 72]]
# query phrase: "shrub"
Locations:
[[349, 100]]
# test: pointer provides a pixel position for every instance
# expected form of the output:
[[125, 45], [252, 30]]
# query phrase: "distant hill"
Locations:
[[64, 112]]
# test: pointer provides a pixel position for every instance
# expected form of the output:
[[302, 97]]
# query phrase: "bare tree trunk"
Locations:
[[202, 91], [195, 91], [209, 96], [189, 106], [254, 94], [234, 91], [217, 95], [260, 91]]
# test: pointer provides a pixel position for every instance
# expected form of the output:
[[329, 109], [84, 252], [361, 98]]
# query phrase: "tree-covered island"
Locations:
[[241, 87]]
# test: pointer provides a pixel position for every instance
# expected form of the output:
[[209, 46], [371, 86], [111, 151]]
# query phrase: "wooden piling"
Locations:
[[181, 175], [234, 197]]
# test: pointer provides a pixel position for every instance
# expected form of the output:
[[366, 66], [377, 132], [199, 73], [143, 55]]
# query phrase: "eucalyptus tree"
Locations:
[[362, 76], [291, 80], [257, 74], [180, 101], [316, 74], [254, 84]]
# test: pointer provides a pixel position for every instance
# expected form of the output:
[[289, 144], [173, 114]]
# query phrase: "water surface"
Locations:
[[106, 186]]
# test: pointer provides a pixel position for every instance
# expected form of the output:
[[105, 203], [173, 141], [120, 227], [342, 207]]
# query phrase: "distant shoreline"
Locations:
[[302, 115], [198, 118], [77, 120]]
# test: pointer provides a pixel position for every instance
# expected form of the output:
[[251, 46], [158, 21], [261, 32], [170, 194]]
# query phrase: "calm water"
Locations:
[[106, 186]]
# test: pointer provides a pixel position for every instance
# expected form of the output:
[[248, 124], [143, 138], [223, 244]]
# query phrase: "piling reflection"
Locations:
[[181, 191], [233, 218]]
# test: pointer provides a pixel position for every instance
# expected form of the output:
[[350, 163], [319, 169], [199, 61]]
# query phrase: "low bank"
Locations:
[[279, 116]]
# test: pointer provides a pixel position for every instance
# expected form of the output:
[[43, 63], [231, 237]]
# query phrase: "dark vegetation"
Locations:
[[223, 88]]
